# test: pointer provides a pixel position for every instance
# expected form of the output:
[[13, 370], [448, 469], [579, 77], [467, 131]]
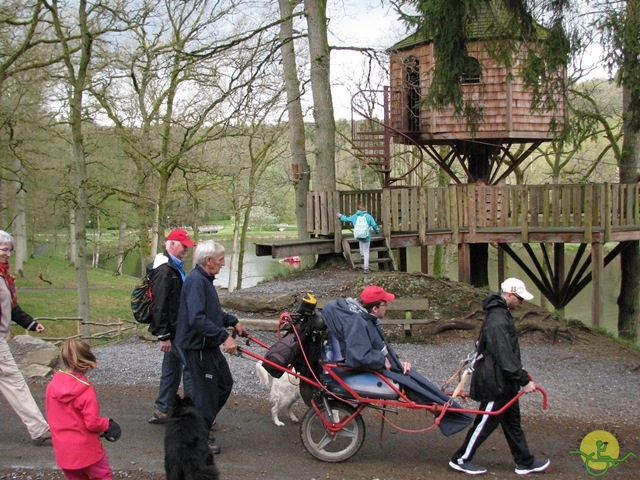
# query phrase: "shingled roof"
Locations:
[[492, 22]]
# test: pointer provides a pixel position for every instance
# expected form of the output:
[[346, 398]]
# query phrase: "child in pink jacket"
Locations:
[[75, 421]]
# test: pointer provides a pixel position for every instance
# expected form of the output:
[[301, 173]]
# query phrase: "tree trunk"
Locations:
[[20, 229], [300, 167], [122, 238], [325, 127], [243, 242], [73, 246], [232, 282], [628, 300]]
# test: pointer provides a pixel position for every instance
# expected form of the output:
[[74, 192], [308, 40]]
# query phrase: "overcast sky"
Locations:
[[357, 23]]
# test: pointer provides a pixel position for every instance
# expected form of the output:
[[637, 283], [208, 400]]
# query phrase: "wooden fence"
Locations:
[[110, 334], [471, 208]]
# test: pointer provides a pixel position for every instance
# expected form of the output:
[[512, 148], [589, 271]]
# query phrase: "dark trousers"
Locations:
[[212, 382], [173, 371], [484, 425]]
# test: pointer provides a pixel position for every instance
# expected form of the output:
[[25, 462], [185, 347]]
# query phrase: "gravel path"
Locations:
[[579, 386]]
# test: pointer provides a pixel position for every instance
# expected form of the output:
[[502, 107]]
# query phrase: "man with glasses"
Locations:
[[498, 376]]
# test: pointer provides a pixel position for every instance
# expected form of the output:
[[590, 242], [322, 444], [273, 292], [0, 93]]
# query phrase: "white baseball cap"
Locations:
[[515, 286]]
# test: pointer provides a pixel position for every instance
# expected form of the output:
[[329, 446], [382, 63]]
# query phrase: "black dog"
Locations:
[[187, 455]]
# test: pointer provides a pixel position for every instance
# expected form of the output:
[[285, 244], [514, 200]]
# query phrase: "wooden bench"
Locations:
[[406, 305]]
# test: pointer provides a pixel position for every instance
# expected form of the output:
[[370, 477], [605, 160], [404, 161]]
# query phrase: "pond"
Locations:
[[259, 269]]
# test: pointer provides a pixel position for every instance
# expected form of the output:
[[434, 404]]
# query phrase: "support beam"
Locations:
[[424, 259], [597, 273], [464, 263]]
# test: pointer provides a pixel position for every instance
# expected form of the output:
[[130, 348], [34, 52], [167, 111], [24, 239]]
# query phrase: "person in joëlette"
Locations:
[[76, 424]]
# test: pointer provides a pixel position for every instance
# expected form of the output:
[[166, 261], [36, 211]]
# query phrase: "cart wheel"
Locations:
[[343, 445]]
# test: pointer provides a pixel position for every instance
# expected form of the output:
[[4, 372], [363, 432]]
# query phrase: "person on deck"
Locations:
[[364, 239]]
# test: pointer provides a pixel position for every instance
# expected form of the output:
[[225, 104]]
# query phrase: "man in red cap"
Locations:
[[166, 275], [358, 341], [367, 349]]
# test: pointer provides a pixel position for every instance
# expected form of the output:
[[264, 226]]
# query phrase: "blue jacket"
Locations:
[[201, 321], [370, 221]]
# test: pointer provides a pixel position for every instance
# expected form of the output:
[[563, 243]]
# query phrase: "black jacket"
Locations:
[[166, 285], [498, 374]]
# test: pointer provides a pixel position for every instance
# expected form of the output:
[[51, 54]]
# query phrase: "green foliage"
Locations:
[[508, 24], [619, 29]]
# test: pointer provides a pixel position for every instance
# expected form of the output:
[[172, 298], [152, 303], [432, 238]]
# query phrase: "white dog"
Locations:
[[285, 391]]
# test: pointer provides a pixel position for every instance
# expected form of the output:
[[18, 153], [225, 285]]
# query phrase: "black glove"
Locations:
[[114, 431]]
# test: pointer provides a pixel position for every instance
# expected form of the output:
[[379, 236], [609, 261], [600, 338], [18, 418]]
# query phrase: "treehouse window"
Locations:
[[473, 72], [412, 78]]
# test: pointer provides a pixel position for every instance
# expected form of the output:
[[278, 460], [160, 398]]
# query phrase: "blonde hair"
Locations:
[[77, 355]]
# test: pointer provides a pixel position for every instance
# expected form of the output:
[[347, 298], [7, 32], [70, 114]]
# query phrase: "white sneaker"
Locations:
[[467, 467], [538, 465]]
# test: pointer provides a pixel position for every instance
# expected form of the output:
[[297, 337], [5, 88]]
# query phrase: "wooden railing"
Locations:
[[470, 209]]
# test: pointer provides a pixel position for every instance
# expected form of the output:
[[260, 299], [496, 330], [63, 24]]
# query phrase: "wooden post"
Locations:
[[501, 267], [337, 224], [597, 273], [464, 264], [424, 259]]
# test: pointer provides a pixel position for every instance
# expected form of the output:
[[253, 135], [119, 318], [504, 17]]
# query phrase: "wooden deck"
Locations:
[[489, 214], [549, 215]]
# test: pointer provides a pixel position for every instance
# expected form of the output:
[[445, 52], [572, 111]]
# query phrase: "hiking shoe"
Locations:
[[467, 467], [42, 439], [365, 271], [158, 417], [538, 465]]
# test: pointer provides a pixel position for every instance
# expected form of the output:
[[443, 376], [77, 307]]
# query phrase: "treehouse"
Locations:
[[394, 131], [497, 90]]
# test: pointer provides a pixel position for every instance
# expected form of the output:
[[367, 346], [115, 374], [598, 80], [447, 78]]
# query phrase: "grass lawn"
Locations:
[[48, 289]]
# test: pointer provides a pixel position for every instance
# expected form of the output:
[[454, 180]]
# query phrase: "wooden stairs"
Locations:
[[379, 253]]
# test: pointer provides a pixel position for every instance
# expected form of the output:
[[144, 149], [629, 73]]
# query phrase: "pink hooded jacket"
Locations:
[[74, 418]]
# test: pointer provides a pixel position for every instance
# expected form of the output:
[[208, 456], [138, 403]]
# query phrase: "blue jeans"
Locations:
[[173, 370]]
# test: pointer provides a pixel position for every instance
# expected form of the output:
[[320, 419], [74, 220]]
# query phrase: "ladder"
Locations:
[[379, 253]]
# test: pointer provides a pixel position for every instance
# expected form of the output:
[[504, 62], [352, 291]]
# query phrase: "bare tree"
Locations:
[[24, 39], [325, 127], [300, 166], [178, 75], [76, 34]]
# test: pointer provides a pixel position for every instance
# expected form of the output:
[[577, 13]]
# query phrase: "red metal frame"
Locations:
[[359, 403]]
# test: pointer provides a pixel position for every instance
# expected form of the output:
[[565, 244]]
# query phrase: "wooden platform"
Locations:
[[287, 248]]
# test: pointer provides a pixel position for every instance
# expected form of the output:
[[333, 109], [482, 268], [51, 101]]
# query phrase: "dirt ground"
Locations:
[[252, 447]]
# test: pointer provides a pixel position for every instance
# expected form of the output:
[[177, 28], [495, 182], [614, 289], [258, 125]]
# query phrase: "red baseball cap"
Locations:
[[373, 294], [181, 236]]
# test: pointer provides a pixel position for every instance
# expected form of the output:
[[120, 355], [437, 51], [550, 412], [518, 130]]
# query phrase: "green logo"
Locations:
[[600, 451]]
